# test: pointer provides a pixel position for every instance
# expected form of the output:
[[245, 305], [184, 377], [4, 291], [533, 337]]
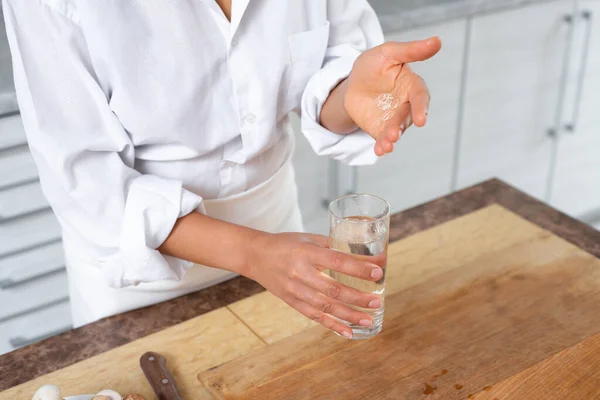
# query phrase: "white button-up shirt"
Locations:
[[136, 111]]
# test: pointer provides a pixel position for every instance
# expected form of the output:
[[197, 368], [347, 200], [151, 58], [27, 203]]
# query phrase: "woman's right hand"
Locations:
[[290, 265]]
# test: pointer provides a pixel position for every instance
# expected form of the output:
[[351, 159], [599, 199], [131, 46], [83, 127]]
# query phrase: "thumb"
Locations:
[[408, 52]]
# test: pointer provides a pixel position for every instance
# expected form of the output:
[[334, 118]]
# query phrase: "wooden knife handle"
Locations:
[[155, 368]]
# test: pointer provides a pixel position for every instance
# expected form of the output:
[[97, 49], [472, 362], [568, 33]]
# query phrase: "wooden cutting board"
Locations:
[[199, 343], [487, 304], [518, 322]]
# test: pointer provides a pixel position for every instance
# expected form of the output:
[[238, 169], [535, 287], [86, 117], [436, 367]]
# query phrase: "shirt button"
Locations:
[[234, 41], [250, 118]]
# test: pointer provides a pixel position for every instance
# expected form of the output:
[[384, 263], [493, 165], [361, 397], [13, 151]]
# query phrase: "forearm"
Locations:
[[208, 241], [333, 114], [289, 265]]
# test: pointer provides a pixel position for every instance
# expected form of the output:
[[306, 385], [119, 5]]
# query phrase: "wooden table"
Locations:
[[483, 304]]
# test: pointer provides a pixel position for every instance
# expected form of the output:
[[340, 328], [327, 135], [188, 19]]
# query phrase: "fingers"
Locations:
[[346, 264], [323, 241], [394, 129], [322, 318], [419, 99], [415, 110], [386, 146], [336, 291], [407, 52], [333, 307]]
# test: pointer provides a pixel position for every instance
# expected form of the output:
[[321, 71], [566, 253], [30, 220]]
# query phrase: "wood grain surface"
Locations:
[[201, 342], [76, 345], [484, 299], [570, 373], [412, 260], [487, 305]]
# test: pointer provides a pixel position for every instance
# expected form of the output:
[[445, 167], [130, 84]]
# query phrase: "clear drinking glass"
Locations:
[[359, 225]]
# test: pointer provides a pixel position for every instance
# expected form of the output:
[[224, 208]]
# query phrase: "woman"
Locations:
[[161, 135]]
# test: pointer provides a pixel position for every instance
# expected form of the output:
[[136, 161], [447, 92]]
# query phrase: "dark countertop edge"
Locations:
[[70, 347], [440, 13]]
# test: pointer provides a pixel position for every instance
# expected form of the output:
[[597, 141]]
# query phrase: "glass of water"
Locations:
[[359, 225]]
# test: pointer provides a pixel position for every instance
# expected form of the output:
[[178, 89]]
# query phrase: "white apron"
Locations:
[[271, 206]]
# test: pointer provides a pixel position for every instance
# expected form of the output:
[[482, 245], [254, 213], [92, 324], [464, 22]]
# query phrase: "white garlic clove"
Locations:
[[111, 394], [47, 392]]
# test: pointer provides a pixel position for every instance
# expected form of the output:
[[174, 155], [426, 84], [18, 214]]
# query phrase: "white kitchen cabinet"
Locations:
[[16, 167], [23, 267], [576, 185], [22, 199], [12, 132], [420, 167], [512, 95], [31, 328], [28, 232], [33, 295], [33, 285]]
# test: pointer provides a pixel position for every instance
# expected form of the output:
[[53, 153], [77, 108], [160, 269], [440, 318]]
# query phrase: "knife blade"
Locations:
[[80, 397]]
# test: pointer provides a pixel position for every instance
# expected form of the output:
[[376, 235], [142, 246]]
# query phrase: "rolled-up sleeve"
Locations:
[[84, 155], [354, 28]]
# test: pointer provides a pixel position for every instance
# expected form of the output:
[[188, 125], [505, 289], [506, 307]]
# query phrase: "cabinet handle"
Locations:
[[587, 16], [20, 341], [9, 114], [20, 183], [12, 283], [562, 89], [4, 218]]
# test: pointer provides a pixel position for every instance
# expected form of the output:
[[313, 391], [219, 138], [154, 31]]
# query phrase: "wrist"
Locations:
[[255, 255], [334, 115]]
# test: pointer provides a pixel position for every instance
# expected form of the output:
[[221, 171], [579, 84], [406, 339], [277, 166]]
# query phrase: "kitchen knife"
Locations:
[[155, 368]]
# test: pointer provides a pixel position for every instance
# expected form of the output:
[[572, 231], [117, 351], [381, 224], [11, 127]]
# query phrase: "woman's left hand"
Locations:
[[383, 96]]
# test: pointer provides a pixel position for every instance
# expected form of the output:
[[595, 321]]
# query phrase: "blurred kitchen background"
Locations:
[[516, 95]]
